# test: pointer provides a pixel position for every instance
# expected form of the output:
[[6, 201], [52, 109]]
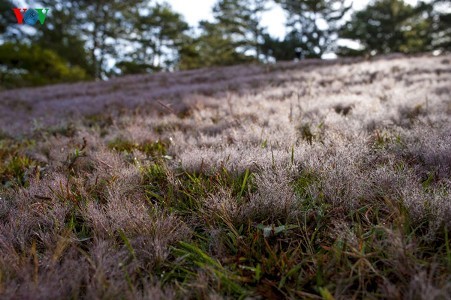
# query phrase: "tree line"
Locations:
[[85, 40]]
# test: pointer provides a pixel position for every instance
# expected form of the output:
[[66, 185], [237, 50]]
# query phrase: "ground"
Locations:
[[311, 180]]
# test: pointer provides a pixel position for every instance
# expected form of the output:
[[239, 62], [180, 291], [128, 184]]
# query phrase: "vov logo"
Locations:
[[30, 16]]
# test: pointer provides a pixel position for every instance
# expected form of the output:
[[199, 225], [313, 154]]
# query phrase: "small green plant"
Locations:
[[75, 155], [77, 225], [186, 191], [302, 183], [191, 259], [15, 170], [14, 165], [307, 134], [381, 139], [150, 149]]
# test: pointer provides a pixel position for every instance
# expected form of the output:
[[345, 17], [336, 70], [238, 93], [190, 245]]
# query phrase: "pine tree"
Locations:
[[211, 48], [99, 28], [61, 33], [235, 36], [314, 23], [159, 34], [387, 26], [8, 28], [442, 25]]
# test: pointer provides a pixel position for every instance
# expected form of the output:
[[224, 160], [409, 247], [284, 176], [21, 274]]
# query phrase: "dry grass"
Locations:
[[312, 180]]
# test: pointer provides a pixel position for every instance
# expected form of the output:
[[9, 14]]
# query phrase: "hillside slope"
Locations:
[[309, 180], [347, 77]]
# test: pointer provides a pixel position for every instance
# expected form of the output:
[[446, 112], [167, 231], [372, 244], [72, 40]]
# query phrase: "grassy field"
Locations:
[[309, 180]]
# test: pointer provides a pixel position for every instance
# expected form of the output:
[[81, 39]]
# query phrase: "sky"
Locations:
[[274, 19]]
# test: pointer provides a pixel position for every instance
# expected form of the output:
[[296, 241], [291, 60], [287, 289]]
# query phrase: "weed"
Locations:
[[150, 149], [15, 167], [307, 134], [343, 109]]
